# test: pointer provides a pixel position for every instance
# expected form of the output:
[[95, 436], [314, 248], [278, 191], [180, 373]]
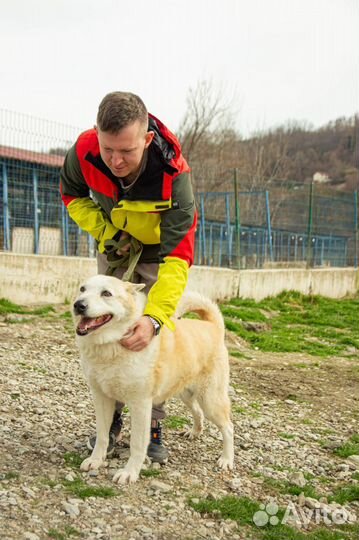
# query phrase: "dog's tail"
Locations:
[[203, 306]]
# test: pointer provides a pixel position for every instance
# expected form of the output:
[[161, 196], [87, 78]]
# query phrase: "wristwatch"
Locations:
[[156, 325]]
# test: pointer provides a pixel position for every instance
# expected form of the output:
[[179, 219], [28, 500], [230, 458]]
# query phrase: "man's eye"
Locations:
[[106, 293]]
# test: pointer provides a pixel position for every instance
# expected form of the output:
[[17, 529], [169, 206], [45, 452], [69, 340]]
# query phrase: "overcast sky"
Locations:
[[281, 59]]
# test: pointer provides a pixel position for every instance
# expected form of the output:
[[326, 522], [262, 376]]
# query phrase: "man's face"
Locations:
[[122, 152]]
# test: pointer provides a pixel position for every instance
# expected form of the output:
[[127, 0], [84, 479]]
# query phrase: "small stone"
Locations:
[[235, 484], [312, 503], [70, 477], [31, 536], [28, 491], [160, 486], [93, 473], [71, 509], [301, 500], [354, 459], [297, 479], [156, 465]]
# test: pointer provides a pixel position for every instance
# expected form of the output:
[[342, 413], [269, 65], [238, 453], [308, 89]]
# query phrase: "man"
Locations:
[[126, 183]]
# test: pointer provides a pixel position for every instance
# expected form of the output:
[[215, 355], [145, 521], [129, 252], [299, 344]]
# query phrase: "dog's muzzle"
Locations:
[[89, 324]]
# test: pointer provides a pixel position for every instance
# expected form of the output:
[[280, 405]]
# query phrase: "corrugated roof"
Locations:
[[33, 157]]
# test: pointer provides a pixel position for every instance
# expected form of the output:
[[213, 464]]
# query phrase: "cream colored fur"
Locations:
[[191, 363]]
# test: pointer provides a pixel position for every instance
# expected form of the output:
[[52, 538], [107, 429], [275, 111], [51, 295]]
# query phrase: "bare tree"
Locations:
[[206, 107]]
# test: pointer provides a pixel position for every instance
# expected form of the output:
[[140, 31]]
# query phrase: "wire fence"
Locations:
[[292, 225]]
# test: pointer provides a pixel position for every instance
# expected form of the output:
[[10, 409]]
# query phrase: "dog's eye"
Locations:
[[106, 293], [82, 289]]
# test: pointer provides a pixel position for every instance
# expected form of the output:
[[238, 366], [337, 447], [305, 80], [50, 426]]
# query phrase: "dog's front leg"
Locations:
[[140, 437], [104, 409]]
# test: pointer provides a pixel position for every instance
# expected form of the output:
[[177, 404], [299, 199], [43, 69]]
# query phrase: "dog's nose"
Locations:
[[80, 307]]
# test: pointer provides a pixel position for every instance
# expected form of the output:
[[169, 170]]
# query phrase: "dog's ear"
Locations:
[[134, 287]]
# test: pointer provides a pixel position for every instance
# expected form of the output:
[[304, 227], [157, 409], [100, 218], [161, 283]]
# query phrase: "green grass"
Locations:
[[150, 473], [239, 509], [7, 307], [11, 475], [72, 459], [242, 510], [290, 489], [313, 324], [350, 448], [80, 489], [175, 422], [346, 494], [68, 532]]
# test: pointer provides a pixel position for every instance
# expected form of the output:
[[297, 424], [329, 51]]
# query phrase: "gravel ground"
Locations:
[[290, 412]]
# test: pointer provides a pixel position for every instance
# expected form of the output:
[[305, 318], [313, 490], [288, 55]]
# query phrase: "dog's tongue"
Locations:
[[87, 323]]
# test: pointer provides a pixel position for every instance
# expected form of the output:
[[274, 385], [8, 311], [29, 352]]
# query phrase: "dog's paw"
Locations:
[[190, 434], [90, 464], [124, 476], [225, 463]]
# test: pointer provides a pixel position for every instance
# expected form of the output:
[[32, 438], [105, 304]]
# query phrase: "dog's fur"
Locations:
[[191, 362]]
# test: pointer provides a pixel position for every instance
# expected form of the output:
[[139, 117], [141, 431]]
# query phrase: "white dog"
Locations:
[[191, 362]]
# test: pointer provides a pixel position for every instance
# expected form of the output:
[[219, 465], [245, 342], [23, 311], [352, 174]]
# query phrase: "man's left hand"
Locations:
[[143, 332]]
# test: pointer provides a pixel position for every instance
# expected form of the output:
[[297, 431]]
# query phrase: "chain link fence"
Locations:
[[291, 225]]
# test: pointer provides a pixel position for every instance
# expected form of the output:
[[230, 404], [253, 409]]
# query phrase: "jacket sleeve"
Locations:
[[178, 227], [82, 209]]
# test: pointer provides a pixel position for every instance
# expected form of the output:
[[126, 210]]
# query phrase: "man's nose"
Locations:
[[117, 159], [80, 307]]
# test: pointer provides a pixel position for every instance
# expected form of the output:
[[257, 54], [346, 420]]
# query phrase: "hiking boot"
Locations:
[[156, 451], [115, 431]]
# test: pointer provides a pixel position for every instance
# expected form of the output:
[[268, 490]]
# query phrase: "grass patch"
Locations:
[[72, 459], [80, 489], [7, 307], [66, 315], [291, 489], [68, 532], [313, 324], [350, 448], [239, 354], [239, 509], [150, 473], [175, 422], [10, 475], [346, 494], [288, 436], [242, 510]]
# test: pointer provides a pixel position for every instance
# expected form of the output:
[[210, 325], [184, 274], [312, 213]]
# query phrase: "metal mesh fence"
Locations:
[[291, 225]]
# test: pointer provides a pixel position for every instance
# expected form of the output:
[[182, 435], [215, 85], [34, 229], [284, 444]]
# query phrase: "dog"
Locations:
[[190, 362]]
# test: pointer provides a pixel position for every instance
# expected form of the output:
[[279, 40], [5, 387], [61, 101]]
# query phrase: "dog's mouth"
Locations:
[[88, 324]]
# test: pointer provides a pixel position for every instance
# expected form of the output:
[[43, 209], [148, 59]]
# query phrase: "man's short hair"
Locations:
[[120, 109]]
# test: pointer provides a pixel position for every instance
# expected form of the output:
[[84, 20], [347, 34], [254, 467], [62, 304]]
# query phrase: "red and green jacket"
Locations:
[[158, 210]]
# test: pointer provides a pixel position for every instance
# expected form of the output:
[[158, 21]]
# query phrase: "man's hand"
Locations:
[[143, 332]]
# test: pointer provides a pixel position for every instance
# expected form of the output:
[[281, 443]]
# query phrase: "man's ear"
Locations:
[[149, 138]]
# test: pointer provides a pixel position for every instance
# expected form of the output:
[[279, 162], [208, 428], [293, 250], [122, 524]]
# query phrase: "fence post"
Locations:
[[356, 229], [6, 215], [237, 219], [203, 230], [36, 209], [228, 226], [65, 230], [310, 227], [269, 227]]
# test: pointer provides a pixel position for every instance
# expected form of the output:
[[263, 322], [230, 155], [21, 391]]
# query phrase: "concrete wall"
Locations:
[[32, 279]]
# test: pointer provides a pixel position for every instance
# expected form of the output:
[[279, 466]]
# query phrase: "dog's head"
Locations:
[[106, 308]]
